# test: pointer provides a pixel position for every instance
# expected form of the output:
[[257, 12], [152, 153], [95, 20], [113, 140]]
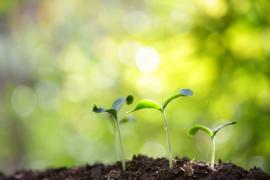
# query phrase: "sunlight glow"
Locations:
[[147, 59], [150, 85], [214, 8]]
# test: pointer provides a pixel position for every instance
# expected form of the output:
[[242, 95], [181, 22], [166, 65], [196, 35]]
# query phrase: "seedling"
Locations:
[[212, 134], [148, 103], [113, 112]]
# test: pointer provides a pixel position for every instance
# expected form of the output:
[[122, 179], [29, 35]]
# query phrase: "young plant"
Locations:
[[147, 103], [113, 112], [212, 134]]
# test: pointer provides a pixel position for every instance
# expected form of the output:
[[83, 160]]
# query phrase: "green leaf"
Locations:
[[193, 130], [118, 103], [98, 109], [182, 92], [126, 119], [146, 103], [112, 112], [186, 92], [129, 99], [216, 130]]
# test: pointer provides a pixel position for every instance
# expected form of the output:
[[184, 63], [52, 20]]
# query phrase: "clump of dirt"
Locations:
[[145, 168]]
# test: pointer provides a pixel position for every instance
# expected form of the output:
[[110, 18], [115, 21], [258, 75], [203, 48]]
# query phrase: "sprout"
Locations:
[[211, 133], [148, 103], [113, 111]]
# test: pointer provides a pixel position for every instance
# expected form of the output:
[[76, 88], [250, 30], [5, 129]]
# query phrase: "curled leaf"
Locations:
[[217, 129], [98, 109], [193, 130], [186, 92], [118, 103], [182, 92], [146, 103], [112, 112]]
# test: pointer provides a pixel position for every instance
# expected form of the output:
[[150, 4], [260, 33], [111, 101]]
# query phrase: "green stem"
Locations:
[[213, 152], [116, 143], [121, 145], [170, 156]]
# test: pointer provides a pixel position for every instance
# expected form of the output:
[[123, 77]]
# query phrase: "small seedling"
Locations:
[[147, 103], [212, 133], [113, 112]]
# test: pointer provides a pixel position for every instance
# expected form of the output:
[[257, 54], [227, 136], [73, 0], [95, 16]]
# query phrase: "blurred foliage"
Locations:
[[58, 58]]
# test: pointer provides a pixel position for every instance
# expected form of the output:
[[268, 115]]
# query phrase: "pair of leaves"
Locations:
[[212, 133], [148, 103], [116, 106]]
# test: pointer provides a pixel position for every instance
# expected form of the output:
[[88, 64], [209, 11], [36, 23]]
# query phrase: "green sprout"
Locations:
[[113, 112], [212, 133], [147, 103]]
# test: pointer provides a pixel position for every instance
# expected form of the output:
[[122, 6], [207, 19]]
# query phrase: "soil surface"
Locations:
[[143, 167]]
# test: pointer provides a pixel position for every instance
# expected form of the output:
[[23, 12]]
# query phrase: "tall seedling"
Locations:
[[113, 112], [148, 103]]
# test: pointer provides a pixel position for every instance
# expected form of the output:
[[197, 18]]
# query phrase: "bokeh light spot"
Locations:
[[75, 88], [147, 59], [137, 21], [238, 40], [47, 92], [214, 8], [23, 100], [127, 51]]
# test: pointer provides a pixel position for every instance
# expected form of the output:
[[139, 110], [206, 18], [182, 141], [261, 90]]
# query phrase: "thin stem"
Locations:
[[213, 152], [116, 143], [121, 145], [170, 156]]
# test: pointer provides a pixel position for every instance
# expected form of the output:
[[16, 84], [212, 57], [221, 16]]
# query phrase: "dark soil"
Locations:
[[143, 167]]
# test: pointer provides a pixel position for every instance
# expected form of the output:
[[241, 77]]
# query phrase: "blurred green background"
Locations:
[[58, 58]]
